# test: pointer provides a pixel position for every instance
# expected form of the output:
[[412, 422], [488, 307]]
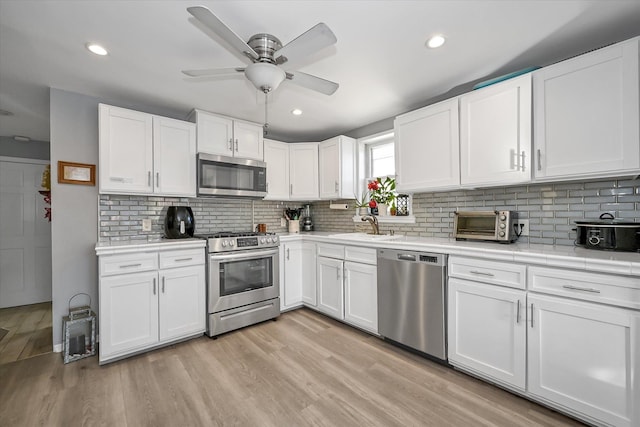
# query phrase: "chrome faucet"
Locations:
[[373, 221]]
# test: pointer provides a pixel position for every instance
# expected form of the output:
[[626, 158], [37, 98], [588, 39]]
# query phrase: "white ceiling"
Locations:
[[379, 60]]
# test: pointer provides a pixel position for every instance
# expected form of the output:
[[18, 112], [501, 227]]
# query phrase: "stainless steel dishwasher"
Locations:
[[412, 300]]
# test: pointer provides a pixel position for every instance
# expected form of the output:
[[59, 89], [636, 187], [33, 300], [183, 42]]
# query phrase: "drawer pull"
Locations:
[[482, 273], [184, 259], [575, 288], [518, 312], [131, 265]]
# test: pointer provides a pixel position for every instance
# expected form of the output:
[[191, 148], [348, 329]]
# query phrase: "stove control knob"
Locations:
[[224, 243], [232, 243], [262, 240], [269, 240], [275, 239]]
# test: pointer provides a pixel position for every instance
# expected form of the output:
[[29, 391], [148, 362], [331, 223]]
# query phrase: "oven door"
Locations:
[[241, 278]]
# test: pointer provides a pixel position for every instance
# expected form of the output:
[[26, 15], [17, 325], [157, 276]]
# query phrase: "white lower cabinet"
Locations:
[[347, 285], [585, 357], [140, 310], [487, 330], [297, 274]]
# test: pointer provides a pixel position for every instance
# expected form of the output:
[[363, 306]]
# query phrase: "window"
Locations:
[[379, 157]]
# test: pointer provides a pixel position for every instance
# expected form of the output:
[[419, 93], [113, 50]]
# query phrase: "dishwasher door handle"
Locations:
[[406, 257]]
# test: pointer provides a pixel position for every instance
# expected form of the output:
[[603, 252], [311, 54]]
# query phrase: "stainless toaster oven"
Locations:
[[496, 226]]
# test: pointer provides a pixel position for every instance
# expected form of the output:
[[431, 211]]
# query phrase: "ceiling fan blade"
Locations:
[[212, 22], [212, 72], [312, 82], [307, 43]]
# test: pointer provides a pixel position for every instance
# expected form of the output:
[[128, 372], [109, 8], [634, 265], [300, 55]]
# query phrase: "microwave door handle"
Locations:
[[244, 255]]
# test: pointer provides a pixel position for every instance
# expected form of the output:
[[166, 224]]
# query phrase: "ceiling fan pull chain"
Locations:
[[266, 121]]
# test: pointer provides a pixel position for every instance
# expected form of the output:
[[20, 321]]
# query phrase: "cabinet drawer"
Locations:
[[622, 291], [128, 263], [331, 251], [357, 254], [182, 258], [493, 272]]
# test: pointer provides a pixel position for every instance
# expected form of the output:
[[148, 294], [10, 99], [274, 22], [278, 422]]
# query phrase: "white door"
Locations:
[[276, 156], [25, 236], [308, 259], [174, 159], [248, 140], [584, 356], [487, 330], [495, 134], [182, 302], [361, 295], [214, 134], [329, 164], [330, 290], [291, 289], [303, 171]]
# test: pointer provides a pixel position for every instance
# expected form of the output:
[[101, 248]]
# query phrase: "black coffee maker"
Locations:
[[179, 222]]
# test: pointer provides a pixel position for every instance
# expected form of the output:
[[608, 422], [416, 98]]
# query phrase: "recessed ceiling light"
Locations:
[[435, 41], [97, 49], [21, 138], [296, 112]]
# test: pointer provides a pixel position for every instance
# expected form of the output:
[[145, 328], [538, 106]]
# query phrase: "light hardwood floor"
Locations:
[[301, 370], [28, 331]]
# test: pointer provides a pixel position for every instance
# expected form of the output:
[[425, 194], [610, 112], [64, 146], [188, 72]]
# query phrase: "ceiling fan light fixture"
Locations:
[[435, 41], [97, 49], [265, 77]]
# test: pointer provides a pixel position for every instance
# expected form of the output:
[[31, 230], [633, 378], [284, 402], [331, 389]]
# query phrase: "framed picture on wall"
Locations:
[[76, 173]]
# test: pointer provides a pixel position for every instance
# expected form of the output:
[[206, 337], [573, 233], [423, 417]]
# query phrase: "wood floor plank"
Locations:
[[302, 370]]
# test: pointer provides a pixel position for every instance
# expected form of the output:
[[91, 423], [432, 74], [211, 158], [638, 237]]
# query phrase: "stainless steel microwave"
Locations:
[[230, 177], [497, 226]]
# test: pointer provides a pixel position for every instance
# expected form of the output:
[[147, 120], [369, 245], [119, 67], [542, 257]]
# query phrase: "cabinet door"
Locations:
[[214, 134], [248, 140], [291, 283], [126, 151], [583, 356], [487, 331], [361, 295], [427, 149], [586, 115], [330, 289], [276, 155], [182, 302], [174, 160], [309, 290], [495, 134], [303, 168], [336, 161], [128, 313]]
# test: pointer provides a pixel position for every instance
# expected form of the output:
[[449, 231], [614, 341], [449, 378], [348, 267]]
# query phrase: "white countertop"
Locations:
[[627, 263], [130, 246]]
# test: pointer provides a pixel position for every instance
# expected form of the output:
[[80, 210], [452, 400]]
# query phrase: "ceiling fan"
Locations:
[[267, 54]]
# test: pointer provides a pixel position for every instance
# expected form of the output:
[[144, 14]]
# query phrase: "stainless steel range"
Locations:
[[243, 285]]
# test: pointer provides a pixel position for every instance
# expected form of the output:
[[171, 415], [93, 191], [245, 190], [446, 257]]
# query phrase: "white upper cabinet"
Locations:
[[337, 168], [586, 113], [495, 134], [427, 148], [145, 154], [303, 169], [276, 156], [225, 136], [174, 144]]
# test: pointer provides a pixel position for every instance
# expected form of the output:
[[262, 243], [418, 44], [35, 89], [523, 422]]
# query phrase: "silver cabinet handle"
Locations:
[[157, 179], [149, 179], [522, 168], [288, 258], [482, 273], [336, 186], [154, 285], [236, 145], [532, 315], [337, 274], [184, 259], [518, 312], [512, 159], [290, 189], [163, 284], [267, 187], [131, 265], [539, 160], [576, 288], [231, 144]]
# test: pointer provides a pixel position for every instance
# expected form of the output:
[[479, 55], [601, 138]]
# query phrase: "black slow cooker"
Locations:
[[608, 234]]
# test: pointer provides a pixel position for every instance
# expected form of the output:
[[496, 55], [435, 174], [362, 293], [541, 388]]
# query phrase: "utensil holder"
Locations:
[[294, 226]]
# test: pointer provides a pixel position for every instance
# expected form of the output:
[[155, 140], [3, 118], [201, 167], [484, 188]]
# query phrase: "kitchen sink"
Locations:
[[366, 236]]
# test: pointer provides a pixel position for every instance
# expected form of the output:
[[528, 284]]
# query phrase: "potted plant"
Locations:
[[362, 204], [382, 193]]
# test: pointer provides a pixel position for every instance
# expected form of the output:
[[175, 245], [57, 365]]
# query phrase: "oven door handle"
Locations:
[[252, 254]]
